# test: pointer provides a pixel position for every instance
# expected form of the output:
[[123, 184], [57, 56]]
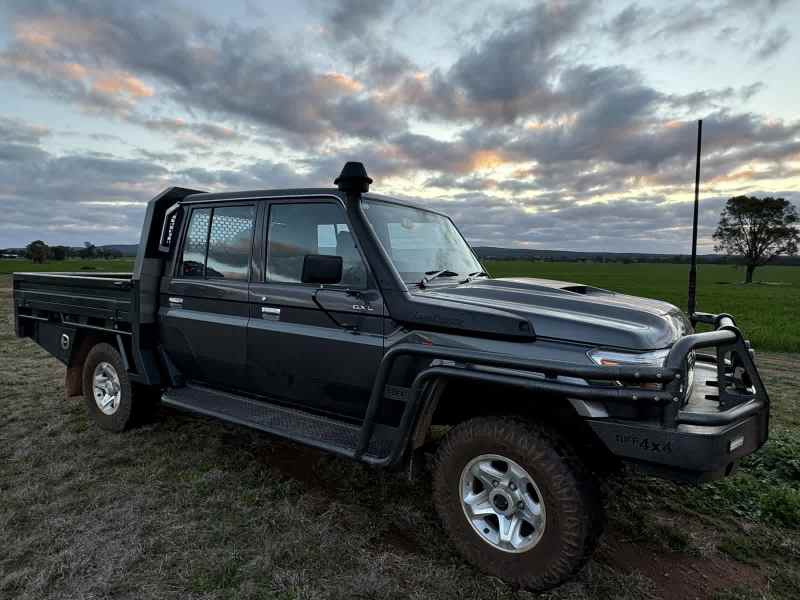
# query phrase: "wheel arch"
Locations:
[[449, 401], [83, 343]]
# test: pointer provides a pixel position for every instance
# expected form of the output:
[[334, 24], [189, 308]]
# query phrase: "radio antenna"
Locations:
[[693, 269]]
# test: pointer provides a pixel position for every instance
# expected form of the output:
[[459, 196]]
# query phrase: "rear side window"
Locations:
[[196, 244], [229, 242], [218, 243]]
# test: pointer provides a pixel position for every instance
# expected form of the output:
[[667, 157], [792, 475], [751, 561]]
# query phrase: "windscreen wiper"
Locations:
[[431, 275], [475, 275]]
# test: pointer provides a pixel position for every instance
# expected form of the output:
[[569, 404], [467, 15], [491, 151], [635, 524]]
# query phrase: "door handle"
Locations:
[[269, 312]]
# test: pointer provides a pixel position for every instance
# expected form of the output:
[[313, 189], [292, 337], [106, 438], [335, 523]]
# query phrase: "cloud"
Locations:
[[513, 63], [647, 224], [87, 54], [163, 157], [99, 197], [762, 9], [773, 43], [40, 54], [258, 175], [353, 18], [508, 75], [20, 153], [514, 122], [624, 26], [199, 132], [685, 19], [72, 198], [672, 21], [16, 131], [716, 98]]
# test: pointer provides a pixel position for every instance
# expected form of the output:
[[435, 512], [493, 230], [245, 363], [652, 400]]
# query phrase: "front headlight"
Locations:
[[613, 358]]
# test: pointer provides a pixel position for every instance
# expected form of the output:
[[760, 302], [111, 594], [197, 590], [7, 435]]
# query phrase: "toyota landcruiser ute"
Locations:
[[360, 324]]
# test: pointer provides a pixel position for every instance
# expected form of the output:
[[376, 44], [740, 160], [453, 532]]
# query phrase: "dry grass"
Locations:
[[192, 508]]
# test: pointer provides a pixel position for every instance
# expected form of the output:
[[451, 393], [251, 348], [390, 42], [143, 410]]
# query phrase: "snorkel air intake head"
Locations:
[[353, 179]]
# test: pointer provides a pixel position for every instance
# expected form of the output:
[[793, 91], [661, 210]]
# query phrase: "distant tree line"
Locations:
[[752, 232], [39, 251]]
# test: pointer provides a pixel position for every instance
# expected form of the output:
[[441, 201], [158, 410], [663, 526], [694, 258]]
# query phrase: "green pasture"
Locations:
[[10, 265]]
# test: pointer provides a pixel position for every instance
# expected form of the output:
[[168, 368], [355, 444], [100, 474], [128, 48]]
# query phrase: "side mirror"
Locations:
[[320, 268]]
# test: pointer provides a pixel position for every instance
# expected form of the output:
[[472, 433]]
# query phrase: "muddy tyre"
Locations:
[[516, 501], [112, 400]]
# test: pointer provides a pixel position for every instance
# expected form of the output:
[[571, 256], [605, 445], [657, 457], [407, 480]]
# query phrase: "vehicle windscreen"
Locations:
[[418, 242]]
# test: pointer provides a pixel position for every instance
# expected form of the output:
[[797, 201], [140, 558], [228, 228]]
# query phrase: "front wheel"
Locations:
[[516, 501]]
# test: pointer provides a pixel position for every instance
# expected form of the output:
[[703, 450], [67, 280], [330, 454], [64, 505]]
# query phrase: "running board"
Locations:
[[312, 430]]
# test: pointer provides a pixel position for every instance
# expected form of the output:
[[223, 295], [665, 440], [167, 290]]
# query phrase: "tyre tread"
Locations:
[[582, 519]]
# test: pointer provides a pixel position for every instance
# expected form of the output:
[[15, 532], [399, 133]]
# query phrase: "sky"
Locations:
[[559, 125]]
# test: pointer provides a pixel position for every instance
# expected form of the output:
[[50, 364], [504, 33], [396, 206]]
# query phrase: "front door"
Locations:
[[317, 347], [205, 305]]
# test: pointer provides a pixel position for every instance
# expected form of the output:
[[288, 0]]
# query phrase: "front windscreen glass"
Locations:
[[419, 242]]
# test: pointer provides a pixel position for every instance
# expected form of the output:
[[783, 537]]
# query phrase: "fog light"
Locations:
[[736, 443]]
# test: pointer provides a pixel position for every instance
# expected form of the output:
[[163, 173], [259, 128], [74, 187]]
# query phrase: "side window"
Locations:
[[196, 244], [218, 243], [299, 229], [229, 242]]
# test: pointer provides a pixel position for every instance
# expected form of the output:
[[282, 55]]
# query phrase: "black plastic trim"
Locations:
[[669, 375]]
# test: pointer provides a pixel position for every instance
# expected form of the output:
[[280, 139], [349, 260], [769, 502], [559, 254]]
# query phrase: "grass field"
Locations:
[[187, 507], [10, 265]]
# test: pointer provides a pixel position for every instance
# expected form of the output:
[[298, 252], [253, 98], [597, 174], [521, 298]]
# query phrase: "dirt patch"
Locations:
[[295, 461], [678, 575], [284, 458]]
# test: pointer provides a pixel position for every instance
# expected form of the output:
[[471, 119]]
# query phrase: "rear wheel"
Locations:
[[111, 399], [516, 501]]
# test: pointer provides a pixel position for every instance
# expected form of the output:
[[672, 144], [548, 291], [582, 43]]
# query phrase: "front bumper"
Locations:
[[705, 430]]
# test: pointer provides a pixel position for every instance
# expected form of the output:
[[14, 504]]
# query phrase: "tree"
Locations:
[[757, 230], [89, 250], [58, 252], [37, 251]]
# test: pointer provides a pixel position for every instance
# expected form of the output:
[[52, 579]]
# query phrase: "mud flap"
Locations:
[[73, 385]]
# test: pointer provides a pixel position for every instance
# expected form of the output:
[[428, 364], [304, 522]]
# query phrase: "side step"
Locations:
[[313, 430]]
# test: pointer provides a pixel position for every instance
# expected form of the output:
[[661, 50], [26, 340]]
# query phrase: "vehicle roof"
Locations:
[[249, 194], [289, 192]]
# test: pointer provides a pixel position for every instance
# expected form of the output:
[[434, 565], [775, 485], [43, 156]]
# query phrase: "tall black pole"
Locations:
[[693, 268]]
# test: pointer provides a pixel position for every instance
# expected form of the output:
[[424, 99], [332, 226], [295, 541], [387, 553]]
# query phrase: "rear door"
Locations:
[[316, 347], [204, 305]]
